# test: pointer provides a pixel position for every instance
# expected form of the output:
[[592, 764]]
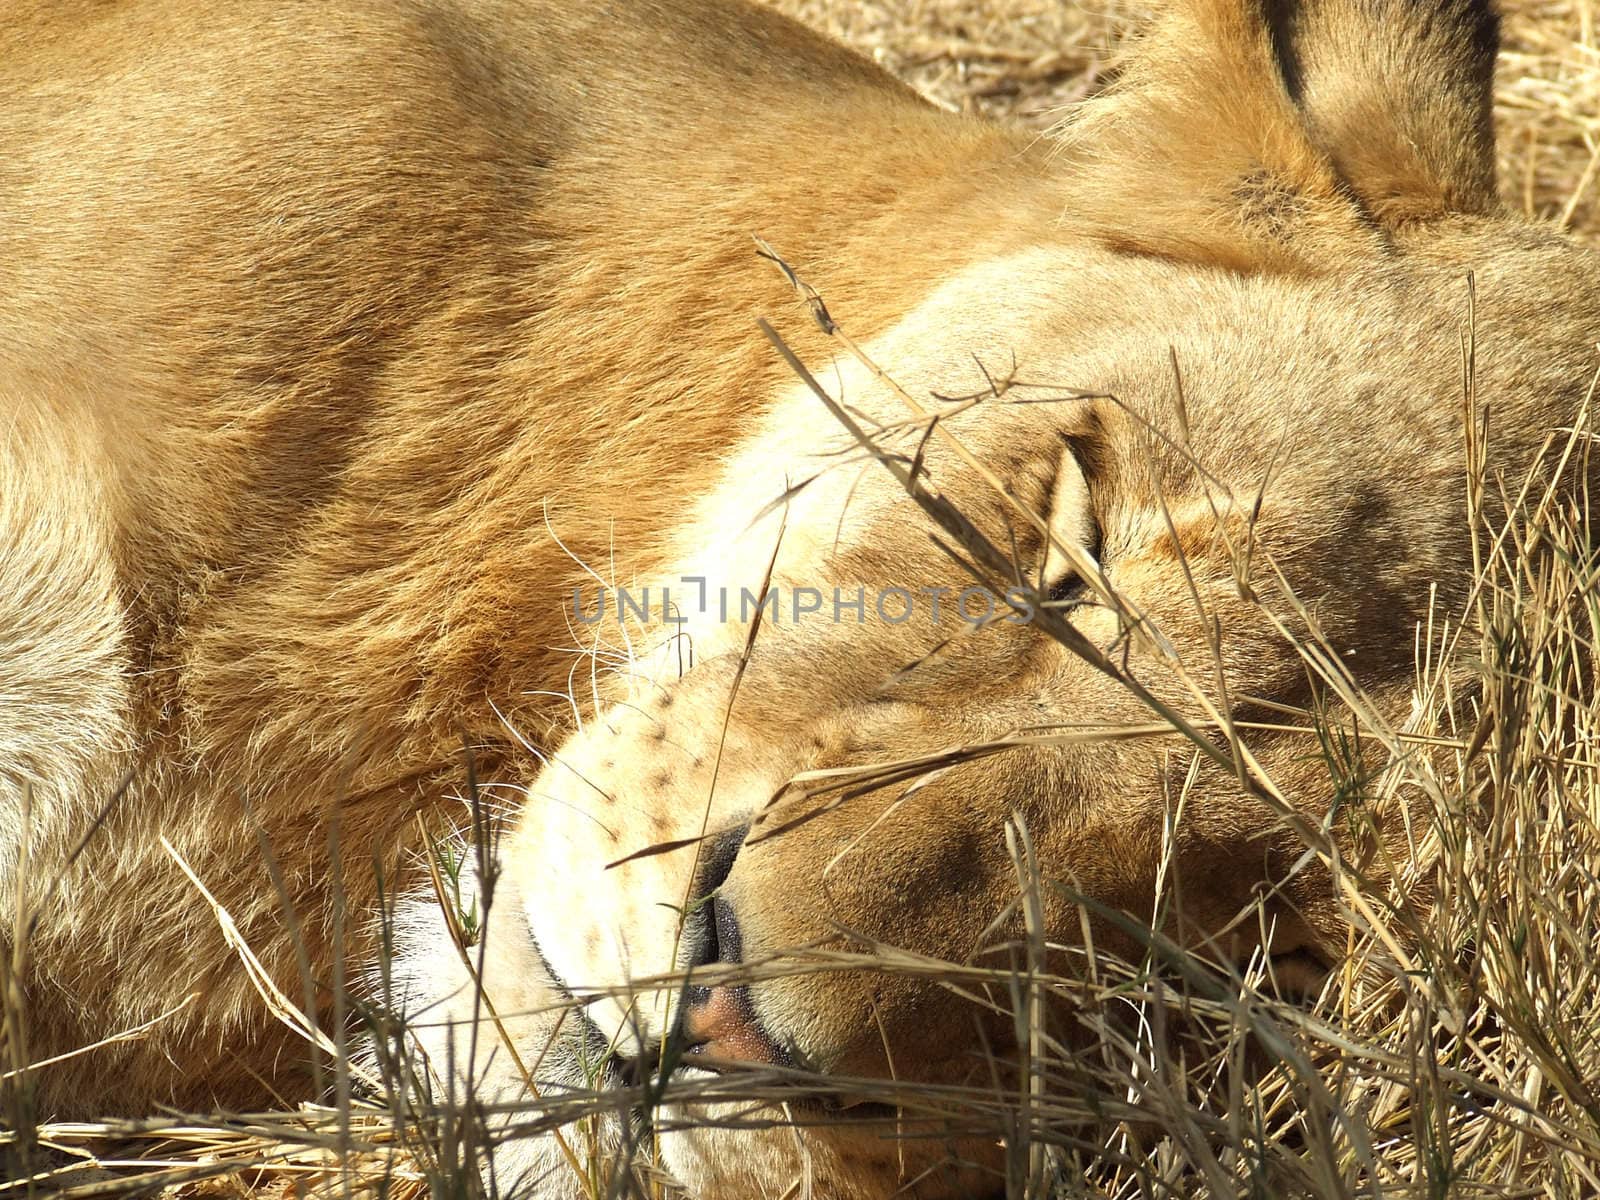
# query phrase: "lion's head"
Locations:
[[1012, 618]]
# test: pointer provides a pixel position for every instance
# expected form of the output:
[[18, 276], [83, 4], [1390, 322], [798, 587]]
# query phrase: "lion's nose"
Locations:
[[722, 1024]]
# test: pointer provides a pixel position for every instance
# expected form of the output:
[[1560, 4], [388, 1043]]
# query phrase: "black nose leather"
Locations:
[[716, 861], [710, 931], [730, 945]]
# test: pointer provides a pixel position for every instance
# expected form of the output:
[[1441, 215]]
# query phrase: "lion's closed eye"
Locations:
[[1073, 525]]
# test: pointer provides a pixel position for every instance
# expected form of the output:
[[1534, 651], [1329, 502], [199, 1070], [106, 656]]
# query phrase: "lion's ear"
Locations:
[[1399, 94], [1283, 135]]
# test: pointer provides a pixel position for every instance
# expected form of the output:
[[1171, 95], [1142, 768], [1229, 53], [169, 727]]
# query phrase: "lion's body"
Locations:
[[554, 309], [338, 345]]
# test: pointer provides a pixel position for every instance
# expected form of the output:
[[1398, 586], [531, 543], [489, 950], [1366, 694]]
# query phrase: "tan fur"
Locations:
[[339, 344]]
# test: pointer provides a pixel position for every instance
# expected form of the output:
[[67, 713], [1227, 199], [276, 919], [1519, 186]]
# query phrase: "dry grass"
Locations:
[[1548, 105], [1018, 59], [1461, 1058]]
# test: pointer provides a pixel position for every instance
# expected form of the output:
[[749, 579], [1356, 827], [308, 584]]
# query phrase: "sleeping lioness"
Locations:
[[391, 446]]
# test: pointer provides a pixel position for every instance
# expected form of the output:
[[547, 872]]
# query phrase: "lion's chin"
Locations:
[[825, 1142], [805, 1150]]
